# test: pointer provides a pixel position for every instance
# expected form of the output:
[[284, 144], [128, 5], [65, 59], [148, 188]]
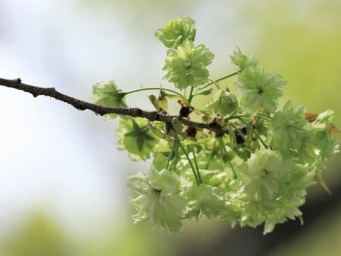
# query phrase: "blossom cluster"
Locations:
[[185, 62], [254, 169]]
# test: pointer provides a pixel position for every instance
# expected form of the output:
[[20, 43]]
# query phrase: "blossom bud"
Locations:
[[154, 101], [224, 103], [163, 102], [177, 125]]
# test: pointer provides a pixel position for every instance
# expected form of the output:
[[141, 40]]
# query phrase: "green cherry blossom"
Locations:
[[176, 32], [159, 199], [289, 130], [206, 200], [259, 89], [263, 174], [186, 65]]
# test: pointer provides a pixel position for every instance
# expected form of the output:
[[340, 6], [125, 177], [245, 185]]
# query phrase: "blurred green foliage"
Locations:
[[38, 237], [303, 44]]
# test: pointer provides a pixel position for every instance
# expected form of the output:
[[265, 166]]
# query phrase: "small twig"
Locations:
[[100, 110]]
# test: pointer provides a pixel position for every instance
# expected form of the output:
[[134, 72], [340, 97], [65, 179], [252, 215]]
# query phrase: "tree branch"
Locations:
[[100, 110]]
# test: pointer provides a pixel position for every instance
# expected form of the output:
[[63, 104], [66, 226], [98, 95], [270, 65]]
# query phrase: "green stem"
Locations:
[[215, 83], [174, 147], [190, 163], [196, 164], [211, 154], [153, 89], [190, 97], [263, 116], [255, 132], [247, 115], [222, 147], [235, 176], [223, 151], [236, 117], [220, 79], [175, 161]]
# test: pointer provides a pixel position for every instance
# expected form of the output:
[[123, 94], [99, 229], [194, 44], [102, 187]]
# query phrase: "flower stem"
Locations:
[[220, 79], [175, 161], [190, 97], [224, 152], [255, 132], [236, 117], [190, 163], [235, 176], [153, 89], [263, 116], [171, 153], [211, 155], [196, 164], [215, 83]]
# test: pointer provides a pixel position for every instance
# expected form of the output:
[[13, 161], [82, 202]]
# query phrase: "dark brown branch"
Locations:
[[100, 110]]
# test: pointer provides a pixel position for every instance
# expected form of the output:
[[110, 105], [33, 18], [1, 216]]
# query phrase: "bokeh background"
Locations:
[[63, 182]]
